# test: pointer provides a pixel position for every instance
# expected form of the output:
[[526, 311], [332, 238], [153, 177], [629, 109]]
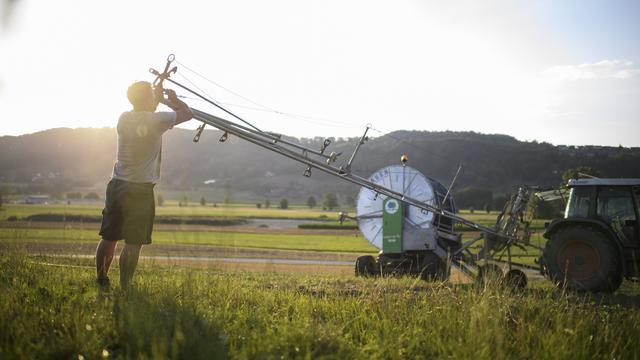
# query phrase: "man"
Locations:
[[129, 206]]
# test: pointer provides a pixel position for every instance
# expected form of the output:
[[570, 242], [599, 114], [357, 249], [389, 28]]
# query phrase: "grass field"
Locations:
[[222, 211], [51, 308], [309, 239], [239, 211], [336, 243], [57, 312]]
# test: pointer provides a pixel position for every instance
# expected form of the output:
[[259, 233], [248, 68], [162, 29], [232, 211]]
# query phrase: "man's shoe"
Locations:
[[103, 283]]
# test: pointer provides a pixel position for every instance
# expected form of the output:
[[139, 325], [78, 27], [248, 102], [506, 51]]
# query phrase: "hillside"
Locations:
[[61, 159]]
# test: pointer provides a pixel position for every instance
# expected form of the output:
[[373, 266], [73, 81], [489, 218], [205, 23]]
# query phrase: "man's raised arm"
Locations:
[[183, 113]]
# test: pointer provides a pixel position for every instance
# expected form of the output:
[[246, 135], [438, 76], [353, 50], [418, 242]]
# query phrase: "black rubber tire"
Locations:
[[515, 279], [584, 259], [488, 274], [432, 267], [366, 266]]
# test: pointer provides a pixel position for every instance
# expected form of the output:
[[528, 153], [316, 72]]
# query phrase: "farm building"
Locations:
[[36, 199]]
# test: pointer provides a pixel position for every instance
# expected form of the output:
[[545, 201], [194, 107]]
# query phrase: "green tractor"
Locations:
[[597, 243]]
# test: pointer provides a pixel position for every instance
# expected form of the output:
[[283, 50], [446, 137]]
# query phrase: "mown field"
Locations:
[[239, 211], [222, 211], [51, 309], [337, 243], [309, 238]]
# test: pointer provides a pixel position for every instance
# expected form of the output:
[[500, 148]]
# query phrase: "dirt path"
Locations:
[[186, 251]]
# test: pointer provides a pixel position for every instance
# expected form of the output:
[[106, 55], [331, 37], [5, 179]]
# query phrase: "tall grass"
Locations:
[[57, 312]]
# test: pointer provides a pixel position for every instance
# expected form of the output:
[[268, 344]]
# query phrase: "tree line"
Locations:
[[490, 163]]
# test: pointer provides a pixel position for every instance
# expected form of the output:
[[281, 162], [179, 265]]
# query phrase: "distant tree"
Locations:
[[350, 201], [159, 199], [74, 196], [5, 191], [185, 200], [267, 204], [330, 201], [92, 196], [549, 209], [203, 201], [284, 204], [498, 202], [576, 172], [57, 196], [487, 207], [258, 205], [228, 198], [472, 209], [473, 197], [311, 202]]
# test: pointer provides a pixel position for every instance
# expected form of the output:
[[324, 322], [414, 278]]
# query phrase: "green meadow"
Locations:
[[335, 243], [308, 239], [221, 211], [54, 310], [51, 307], [238, 211]]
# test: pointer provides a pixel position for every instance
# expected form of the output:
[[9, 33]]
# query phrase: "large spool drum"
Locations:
[[418, 232]]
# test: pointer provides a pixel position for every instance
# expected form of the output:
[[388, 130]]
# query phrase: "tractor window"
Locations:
[[616, 204], [579, 202]]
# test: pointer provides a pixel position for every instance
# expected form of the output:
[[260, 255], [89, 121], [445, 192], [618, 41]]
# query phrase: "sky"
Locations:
[[563, 72]]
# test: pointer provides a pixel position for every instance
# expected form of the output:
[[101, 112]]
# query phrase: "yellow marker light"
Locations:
[[404, 158]]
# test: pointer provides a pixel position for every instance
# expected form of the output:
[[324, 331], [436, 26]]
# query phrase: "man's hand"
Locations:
[[183, 113], [172, 98], [171, 95]]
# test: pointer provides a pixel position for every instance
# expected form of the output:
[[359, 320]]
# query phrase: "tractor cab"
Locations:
[[614, 202], [597, 242]]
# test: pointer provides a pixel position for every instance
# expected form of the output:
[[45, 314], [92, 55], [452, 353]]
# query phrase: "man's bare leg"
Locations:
[[128, 262], [104, 256]]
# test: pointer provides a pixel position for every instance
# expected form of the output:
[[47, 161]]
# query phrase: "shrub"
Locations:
[[92, 196], [311, 202], [330, 201], [284, 204]]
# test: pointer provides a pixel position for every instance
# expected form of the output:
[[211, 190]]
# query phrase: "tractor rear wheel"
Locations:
[[489, 274], [432, 267], [584, 259], [515, 279], [366, 266]]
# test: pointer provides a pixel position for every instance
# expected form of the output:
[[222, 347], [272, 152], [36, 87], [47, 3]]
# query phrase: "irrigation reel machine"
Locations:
[[410, 217]]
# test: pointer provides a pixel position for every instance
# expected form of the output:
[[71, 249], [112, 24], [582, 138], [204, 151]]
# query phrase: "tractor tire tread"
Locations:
[[609, 281]]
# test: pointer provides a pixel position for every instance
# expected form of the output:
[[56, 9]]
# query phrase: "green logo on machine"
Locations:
[[392, 226], [391, 206]]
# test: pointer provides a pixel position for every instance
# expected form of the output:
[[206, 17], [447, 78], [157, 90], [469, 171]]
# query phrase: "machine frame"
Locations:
[[511, 229]]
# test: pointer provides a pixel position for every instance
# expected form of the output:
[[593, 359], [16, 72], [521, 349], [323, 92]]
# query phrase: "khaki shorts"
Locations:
[[129, 212]]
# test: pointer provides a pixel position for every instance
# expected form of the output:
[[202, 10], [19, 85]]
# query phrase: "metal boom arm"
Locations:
[[277, 145], [310, 157]]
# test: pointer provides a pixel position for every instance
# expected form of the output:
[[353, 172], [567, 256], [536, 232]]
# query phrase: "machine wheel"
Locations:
[[489, 273], [584, 259], [432, 267], [515, 279], [366, 266]]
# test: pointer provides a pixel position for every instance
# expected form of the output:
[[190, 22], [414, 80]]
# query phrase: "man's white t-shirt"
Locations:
[[140, 145]]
